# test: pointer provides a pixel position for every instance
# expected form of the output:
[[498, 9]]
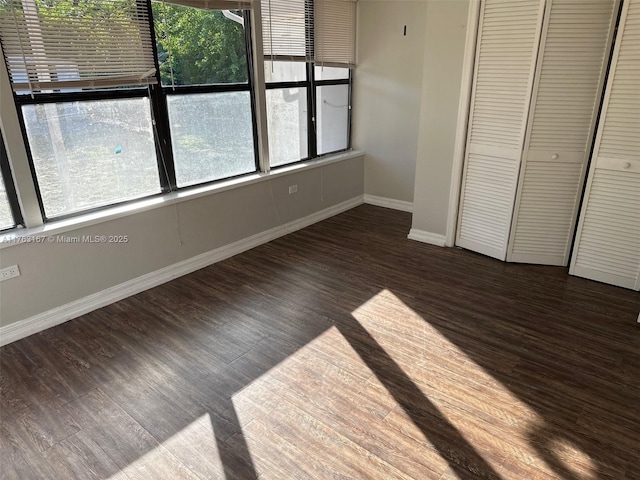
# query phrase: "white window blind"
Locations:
[[287, 30], [213, 4], [320, 31], [335, 33], [67, 44]]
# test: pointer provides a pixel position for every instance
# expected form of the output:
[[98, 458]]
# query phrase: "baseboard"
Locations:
[[427, 237], [42, 321], [389, 203]]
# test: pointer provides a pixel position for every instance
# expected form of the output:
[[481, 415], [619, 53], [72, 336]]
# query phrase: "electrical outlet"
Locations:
[[9, 272], [293, 189]]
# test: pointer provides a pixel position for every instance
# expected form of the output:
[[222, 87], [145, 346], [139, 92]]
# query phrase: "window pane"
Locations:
[[287, 125], [333, 118], [284, 71], [331, 73], [90, 154], [6, 217], [202, 46], [212, 136]]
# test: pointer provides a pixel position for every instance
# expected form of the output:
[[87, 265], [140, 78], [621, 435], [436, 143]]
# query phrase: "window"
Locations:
[[333, 118], [295, 90], [205, 75], [308, 78], [333, 98], [112, 114], [212, 136], [10, 216], [124, 99], [91, 153], [81, 73]]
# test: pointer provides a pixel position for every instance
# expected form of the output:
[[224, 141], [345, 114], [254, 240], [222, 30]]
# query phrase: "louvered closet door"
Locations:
[[608, 239], [574, 53], [508, 37]]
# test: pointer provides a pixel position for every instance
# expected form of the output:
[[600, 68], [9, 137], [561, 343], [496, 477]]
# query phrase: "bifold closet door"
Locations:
[[608, 239], [508, 37], [574, 51]]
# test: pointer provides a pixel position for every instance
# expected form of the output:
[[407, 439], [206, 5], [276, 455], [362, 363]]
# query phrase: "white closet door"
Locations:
[[574, 53], [508, 38], [608, 239]]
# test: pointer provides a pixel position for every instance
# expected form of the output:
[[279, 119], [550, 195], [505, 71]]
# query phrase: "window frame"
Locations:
[[311, 84], [157, 95], [160, 110], [10, 188], [327, 83], [89, 95]]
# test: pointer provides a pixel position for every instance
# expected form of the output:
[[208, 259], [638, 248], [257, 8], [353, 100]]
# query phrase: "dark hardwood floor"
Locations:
[[340, 351]]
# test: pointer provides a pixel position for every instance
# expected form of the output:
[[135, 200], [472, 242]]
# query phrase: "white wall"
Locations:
[[54, 274], [405, 108], [445, 33], [387, 93]]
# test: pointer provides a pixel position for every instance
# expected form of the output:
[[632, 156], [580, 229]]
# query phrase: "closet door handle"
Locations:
[[627, 165], [555, 156]]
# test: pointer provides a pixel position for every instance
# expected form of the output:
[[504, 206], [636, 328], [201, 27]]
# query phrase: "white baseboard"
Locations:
[[427, 237], [388, 203], [42, 321]]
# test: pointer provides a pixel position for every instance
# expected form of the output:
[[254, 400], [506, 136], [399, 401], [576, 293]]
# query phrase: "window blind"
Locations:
[[287, 29], [70, 44], [335, 33], [213, 4], [321, 31]]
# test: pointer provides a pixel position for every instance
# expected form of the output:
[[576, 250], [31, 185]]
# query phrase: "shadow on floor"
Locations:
[[170, 355]]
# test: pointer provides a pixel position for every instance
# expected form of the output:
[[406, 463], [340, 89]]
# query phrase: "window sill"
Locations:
[[36, 235]]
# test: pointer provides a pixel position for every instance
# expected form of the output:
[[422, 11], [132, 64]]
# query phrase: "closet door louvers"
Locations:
[[608, 238], [508, 37], [574, 53]]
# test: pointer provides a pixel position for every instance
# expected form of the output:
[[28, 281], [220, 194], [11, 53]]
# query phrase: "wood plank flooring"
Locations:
[[341, 351]]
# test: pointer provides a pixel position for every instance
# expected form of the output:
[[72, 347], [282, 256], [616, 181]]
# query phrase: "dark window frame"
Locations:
[[311, 84], [9, 185], [160, 112], [89, 95], [157, 95]]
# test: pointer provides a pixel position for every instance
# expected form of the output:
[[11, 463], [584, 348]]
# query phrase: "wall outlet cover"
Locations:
[[9, 272]]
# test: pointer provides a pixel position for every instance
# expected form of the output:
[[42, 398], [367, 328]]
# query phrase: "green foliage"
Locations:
[[69, 10], [202, 46]]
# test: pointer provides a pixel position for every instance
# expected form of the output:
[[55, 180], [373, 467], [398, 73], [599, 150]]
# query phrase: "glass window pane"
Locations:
[[333, 118], [212, 136], [331, 73], [201, 46], [92, 153], [6, 217], [284, 71], [287, 125]]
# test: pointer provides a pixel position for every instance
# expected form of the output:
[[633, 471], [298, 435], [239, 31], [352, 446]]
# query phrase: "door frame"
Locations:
[[464, 107]]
